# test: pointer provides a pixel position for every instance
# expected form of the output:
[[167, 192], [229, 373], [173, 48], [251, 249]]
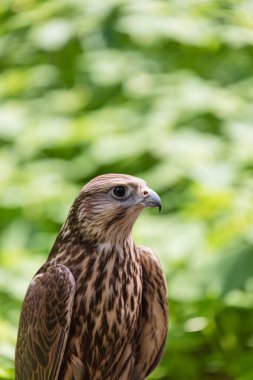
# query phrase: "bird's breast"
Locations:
[[110, 288], [107, 308]]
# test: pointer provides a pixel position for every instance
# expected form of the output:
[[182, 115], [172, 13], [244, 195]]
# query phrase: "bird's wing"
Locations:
[[154, 320], [44, 324]]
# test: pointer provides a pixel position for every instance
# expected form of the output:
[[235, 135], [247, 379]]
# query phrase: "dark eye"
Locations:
[[119, 191]]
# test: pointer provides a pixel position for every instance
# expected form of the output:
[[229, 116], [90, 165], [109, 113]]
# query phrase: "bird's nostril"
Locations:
[[145, 192]]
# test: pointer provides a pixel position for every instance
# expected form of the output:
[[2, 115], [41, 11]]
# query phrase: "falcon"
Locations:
[[97, 308]]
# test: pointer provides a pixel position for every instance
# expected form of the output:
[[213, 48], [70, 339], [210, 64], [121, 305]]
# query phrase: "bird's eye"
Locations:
[[119, 192]]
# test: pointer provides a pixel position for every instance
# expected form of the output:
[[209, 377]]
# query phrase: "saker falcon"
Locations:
[[97, 308]]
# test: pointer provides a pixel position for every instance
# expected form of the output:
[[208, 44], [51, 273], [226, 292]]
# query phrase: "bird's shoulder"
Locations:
[[153, 274], [149, 258]]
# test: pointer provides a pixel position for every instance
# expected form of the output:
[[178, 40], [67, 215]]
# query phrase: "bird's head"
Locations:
[[107, 206]]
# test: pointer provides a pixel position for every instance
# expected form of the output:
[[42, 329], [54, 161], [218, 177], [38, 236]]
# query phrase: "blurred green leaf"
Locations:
[[158, 89]]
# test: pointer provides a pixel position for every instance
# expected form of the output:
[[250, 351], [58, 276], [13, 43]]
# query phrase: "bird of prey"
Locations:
[[97, 308]]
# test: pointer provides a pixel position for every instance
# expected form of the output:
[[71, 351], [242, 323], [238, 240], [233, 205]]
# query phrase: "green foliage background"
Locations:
[[158, 89]]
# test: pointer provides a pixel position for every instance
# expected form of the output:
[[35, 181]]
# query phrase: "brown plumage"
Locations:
[[97, 309]]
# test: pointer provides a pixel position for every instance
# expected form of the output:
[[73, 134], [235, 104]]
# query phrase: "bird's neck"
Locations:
[[82, 257], [75, 242]]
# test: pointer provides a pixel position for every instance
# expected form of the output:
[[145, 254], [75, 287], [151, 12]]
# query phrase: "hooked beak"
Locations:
[[152, 200]]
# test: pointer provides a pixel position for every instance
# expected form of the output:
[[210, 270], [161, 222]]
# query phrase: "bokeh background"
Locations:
[[158, 89]]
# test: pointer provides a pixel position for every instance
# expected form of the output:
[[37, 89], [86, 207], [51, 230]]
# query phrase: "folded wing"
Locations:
[[154, 321], [44, 325]]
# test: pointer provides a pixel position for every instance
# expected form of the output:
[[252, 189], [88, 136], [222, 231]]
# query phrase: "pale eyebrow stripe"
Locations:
[[101, 186]]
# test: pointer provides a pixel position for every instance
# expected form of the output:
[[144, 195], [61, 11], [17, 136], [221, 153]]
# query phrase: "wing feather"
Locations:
[[44, 324], [154, 321]]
